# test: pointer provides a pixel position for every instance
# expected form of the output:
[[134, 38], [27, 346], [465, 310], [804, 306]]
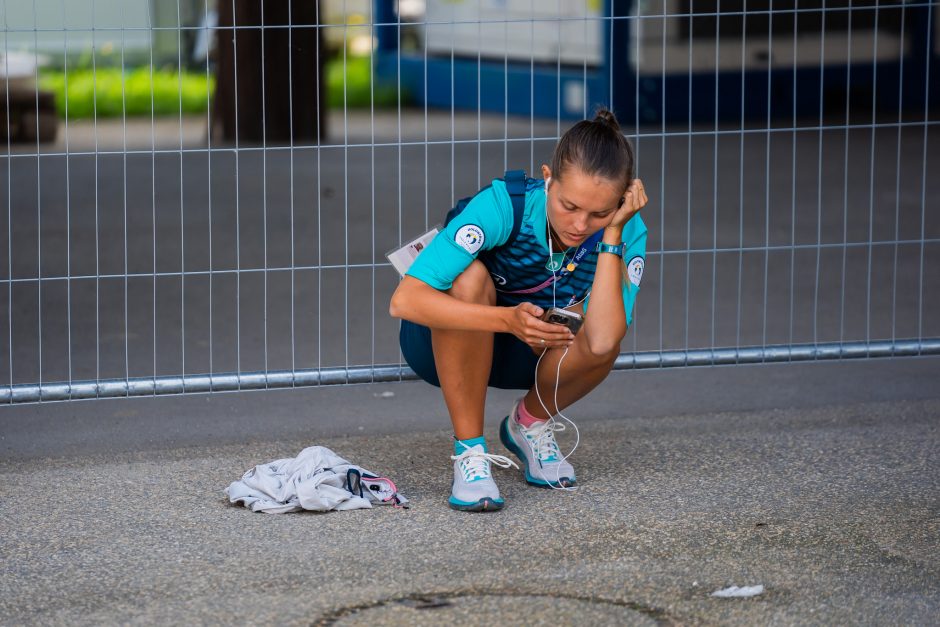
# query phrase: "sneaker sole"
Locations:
[[506, 439], [485, 504]]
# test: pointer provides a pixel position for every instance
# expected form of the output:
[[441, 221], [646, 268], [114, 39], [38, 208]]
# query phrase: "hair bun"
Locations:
[[606, 117]]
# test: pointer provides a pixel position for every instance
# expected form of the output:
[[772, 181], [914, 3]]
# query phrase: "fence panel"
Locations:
[[199, 196]]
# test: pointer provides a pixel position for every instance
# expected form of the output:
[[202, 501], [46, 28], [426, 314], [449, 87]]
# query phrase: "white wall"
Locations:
[[66, 25]]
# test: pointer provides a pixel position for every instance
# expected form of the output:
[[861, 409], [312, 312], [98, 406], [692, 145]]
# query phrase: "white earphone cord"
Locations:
[[551, 415]]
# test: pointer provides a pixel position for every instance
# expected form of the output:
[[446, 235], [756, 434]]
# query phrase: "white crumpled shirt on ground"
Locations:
[[315, 480]]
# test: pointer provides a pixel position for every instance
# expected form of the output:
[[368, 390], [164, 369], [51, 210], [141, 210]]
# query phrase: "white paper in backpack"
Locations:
[[402, 258]]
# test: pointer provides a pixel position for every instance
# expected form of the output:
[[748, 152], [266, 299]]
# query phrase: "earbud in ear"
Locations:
[[548, 182]]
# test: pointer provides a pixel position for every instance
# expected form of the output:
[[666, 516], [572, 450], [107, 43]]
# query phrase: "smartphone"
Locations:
[[555, 315]]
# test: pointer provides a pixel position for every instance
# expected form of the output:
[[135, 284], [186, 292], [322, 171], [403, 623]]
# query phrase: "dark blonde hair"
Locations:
[[597, 148]]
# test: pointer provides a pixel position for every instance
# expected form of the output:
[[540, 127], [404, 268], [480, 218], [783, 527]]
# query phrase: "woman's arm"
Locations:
[[605, 322], [418, 302]]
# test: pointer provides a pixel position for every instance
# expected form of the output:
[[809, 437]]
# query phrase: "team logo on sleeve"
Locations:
[[635, 270], [470, 238]]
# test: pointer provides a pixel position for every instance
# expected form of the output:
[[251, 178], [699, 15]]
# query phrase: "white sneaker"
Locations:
[[473, 489], [538, 451]]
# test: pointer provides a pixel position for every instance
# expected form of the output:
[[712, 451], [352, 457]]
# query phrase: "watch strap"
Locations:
[[614, 249]]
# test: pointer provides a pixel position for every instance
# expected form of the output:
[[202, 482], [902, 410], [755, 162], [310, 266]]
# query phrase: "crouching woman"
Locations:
[[472, 304]]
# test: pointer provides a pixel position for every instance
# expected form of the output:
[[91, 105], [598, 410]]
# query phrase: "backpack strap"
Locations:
[[515, 185]]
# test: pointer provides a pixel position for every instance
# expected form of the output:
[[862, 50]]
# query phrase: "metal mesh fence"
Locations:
[[199, 196]]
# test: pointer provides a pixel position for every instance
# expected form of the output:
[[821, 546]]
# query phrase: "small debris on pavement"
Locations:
[[385, 394], [736, 592]]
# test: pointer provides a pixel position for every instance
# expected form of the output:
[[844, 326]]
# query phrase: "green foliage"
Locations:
[[100, 91], [359, 83]]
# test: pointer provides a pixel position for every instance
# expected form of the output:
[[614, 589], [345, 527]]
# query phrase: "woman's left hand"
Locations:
[[633, 200]]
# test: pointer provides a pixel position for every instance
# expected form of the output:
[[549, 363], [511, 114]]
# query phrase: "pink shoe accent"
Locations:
[[523, 417]]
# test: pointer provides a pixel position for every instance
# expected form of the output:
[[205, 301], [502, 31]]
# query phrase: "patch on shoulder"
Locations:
[[470, 237], [635, 270]]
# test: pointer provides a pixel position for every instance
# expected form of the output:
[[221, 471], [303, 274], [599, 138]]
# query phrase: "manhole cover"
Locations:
[[472, 608]]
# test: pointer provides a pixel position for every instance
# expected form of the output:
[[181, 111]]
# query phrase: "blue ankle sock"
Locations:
[[458, 448]]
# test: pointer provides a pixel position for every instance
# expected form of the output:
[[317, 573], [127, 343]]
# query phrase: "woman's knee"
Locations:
[[601, 361], [474, 285]]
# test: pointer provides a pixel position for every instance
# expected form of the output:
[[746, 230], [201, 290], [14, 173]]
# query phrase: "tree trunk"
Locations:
[[272, 77]]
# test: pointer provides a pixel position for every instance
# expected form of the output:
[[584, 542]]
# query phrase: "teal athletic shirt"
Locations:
[[486, 223]]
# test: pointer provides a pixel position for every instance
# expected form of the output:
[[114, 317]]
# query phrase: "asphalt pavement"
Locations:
[[817, 481]]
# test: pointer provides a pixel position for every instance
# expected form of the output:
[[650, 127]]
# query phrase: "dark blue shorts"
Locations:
[[513, 361]]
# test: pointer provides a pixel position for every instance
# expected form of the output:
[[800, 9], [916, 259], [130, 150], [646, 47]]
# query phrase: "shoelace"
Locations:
[[542, 436], [475, 464]]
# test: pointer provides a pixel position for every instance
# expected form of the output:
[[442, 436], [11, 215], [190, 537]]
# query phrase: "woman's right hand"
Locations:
[[526, 324]]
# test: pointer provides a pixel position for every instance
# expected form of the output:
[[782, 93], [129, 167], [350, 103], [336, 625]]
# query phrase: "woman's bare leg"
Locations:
[[464, 358], [581, 372]]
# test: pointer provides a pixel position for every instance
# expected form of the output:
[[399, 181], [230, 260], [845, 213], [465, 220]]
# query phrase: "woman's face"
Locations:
[[580, 205]]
